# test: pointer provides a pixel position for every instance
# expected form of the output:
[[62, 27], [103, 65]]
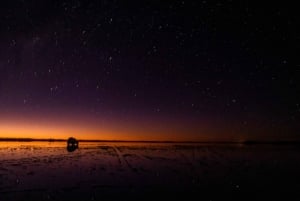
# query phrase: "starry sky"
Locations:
[[149, 70]]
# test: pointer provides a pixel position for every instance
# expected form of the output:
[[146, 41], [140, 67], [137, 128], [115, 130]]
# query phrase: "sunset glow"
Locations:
[[90, 129], [149, 71], [11, 130], [149, 100]]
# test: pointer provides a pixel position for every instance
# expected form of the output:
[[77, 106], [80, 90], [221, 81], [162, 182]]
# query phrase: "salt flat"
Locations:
[[148, 171]]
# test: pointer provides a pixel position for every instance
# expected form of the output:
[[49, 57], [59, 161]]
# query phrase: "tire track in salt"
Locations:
[[123, 162]]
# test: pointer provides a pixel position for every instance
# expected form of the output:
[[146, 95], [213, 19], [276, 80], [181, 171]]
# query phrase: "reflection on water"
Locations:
[[72, 147]]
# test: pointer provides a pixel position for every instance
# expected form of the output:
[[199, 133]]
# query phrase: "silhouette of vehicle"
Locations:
[[72, 144]]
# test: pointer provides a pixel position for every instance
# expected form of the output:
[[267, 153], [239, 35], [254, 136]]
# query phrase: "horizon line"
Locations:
[[249, 142]]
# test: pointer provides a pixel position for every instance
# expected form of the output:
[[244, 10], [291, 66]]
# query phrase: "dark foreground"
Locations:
[[145, 171]]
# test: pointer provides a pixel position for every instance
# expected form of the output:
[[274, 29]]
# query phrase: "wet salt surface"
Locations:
[[141, 171]]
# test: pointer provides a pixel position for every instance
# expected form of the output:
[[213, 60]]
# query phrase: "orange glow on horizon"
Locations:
[[48, 131], [87, 129]]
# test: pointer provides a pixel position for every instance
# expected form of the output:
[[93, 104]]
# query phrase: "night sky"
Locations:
[[149, 70]]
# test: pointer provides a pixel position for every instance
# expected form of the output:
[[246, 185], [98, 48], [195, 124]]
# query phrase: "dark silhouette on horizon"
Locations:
[[72, 144]]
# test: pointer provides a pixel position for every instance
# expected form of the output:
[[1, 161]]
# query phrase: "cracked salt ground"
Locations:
[[96, 171]]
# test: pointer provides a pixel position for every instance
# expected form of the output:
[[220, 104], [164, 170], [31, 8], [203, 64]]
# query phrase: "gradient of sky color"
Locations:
[[149, 70]]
